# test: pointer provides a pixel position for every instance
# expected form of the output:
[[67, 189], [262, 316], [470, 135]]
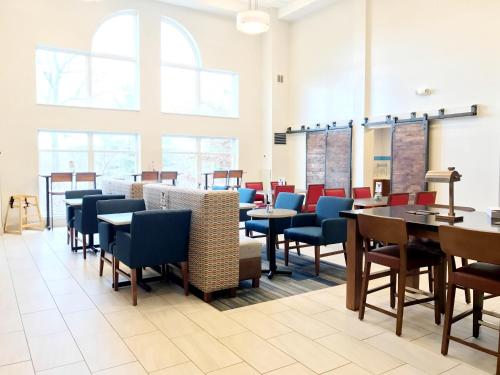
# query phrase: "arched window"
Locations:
[[188, 88], [105, 77]]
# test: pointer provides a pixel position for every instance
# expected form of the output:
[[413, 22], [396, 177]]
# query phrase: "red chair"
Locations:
[[283, 189], [314, 191], [361, 192], [274, 184], [425, 198], [335, 192], [398, 199], [259, 186]]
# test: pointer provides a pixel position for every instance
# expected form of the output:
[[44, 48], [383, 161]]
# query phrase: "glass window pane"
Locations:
[[186, 164], [179, 144], [117, 36], [61, 78], [62, 141], [213, 162], [178, 90], [115, 164], [218, 94], [114, 142], [63, 161], [176, 46], [114, 84], [216, 145]]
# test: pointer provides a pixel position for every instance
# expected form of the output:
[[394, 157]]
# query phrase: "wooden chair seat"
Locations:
[[388, 256], [479, 276]]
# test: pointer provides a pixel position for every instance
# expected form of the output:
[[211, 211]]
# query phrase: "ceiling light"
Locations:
[[253, 20]]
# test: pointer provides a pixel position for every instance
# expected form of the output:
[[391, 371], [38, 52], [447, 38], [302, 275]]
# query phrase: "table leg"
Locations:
[[135, 178], [354, 265], [47, 203], [206, 181], [271, 251]]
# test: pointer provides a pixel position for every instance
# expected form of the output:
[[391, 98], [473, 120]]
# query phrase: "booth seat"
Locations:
[[131, 189]]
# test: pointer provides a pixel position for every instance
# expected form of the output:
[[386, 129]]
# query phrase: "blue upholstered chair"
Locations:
[[156, 237], [70, 210], [220, 187], [289, 201], [322, 228], [107, 231], [86, 218], [246, 196]]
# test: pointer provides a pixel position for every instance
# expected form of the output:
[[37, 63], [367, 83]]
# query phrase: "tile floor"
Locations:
[[57, 316]]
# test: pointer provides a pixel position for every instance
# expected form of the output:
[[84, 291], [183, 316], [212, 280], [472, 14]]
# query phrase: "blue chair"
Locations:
[[156, 237], [289, 201], [322, 228], [220, 187], [246, 196], [86, 218], [107, 231], [70, 210]]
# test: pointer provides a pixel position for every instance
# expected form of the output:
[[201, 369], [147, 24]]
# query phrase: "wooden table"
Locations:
[[117, 219], [73, 202], [370, 202], [423, 226], [247, 206], [272, 215]]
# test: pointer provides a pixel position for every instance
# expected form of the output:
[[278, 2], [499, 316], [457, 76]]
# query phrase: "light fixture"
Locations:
[[253, 20]]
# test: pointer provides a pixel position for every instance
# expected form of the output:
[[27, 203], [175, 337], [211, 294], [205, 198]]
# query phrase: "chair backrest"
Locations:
[[425, 197], [235, 173], [384, 229], [149, 176], [283, 189], [254, 185], [168, 175], [398, 199], [274, 184], [470, 244], [159, 237], [77, 194], [89, 210], [361, 192], [118, 206], [314, 191], [219, 174], [289, 201], [329, 207], [61, 177], [85, 177], [334, 192], [247, 195]]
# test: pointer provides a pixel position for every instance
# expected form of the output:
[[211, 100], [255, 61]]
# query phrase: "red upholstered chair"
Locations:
[[283, 189], [425, 198], [398, 199], [335, 192], [274, 184], [361, 192], [259, 186], [314, 191]]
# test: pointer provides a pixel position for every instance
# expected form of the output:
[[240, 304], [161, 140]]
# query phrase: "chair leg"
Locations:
[[316, 259], [287, 250], [185, 277], [450, 303], [345, 253], [68, 229], [256, 282], [437, 307], [133, 285], [277, 242], [51, 212], [101, 262], [465, 262], [401, 301], [76, 239], [364, 290], [84, 245], [477, 314], [392, 288], [116, 266], [297, 243], [429, 271]]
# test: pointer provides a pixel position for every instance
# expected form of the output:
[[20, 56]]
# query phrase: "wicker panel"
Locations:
[[338, 159], [315, 158], [409, 157]]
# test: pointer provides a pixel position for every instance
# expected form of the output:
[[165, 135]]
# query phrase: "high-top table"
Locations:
[[419, 225], [370, 202], [272, 215]]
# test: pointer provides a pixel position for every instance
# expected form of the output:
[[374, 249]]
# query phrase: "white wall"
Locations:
[[70, 24]]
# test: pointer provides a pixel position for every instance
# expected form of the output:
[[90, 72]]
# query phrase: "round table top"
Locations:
[[247, 205], [275, 213]]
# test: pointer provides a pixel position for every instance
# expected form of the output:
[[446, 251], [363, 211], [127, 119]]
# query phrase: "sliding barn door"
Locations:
[[338, 159], [315, 157], [410, 156]]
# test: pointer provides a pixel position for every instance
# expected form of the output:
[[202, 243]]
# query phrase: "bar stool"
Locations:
[[398, 199], [361, 192], [85, 177], [22, 203], [235, 174], [169, 175], [149, 176], [219, 175], [58, 178]]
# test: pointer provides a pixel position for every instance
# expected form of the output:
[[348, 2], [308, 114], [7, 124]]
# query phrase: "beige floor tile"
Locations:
[[259, 323], [153, 304], [426, 360], [215, 323], [327, 298], [130, 323], [33, 302], [405, 370], [65, 286], [271, 307], [295, 369], [183, 369], [43, 323], [257, 352], [303, 324], [205, 351], [21, 368], [87, 323], [350, 369], [155, 351], [104, 351], [172, 323], [10, 321], [239, 369], [79, 368], [73, 302], [308, 352], [134, 368], [185, 304], [112, 302], [14, 348], [304, 305], [361, 353], [464, 369], [53, 350]]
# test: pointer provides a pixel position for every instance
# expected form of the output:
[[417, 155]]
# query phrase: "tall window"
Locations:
[[109, 155], [105, 77], [188, 88], [193, 156]]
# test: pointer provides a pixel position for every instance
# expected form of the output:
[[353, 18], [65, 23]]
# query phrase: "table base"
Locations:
[[271, 273]]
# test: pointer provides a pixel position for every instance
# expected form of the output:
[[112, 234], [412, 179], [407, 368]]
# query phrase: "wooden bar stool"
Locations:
[[220, 175], [169, 176], [22, 203], [89, 177], [150, 176], [237, 176], [58, 178]]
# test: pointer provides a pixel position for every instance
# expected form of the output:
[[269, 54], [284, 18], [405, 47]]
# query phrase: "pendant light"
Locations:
[[253, 20]]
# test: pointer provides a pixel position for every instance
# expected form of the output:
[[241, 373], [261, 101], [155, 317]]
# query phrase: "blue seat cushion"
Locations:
[[262, 226], [309, 235]]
